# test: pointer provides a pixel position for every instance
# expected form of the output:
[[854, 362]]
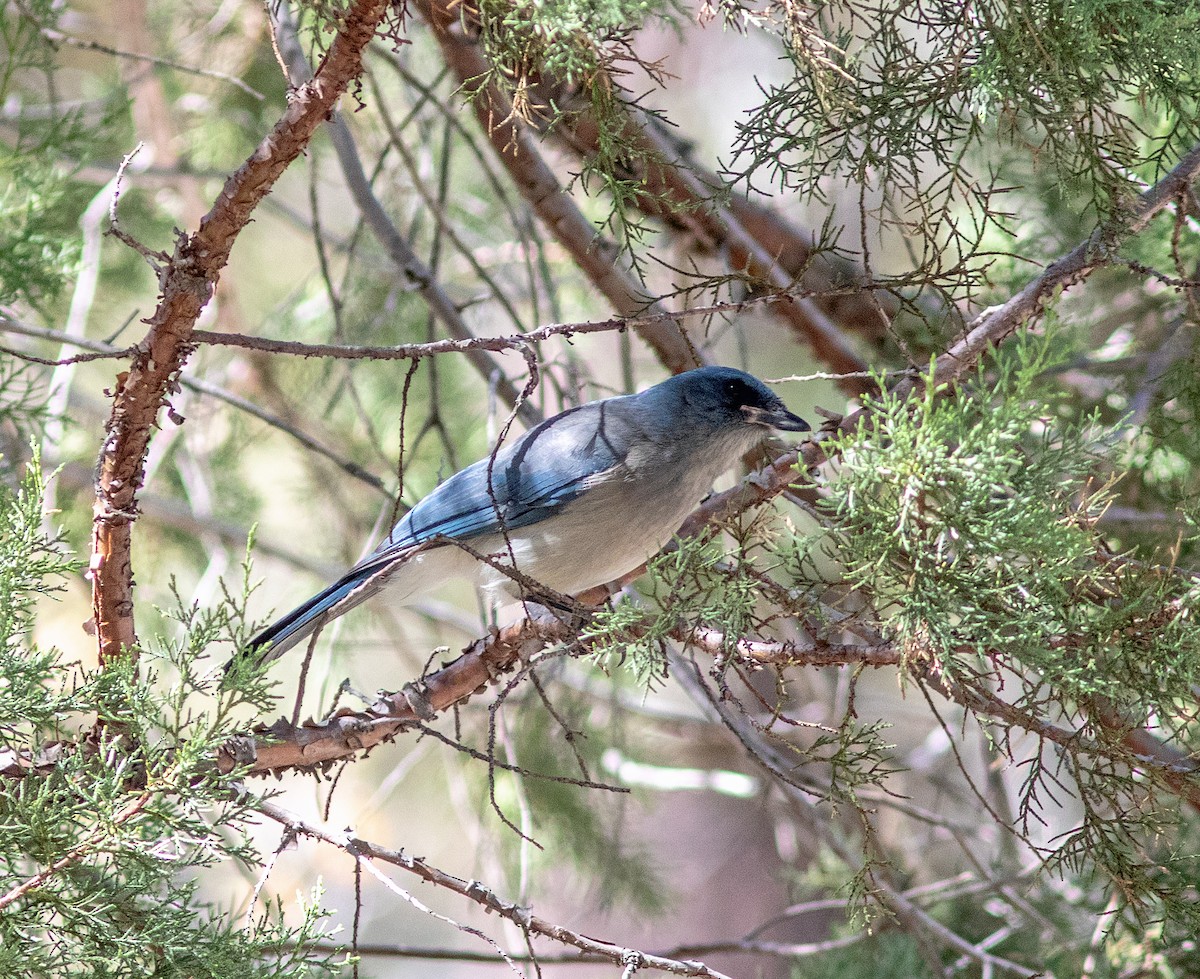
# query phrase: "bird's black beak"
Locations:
[[778, 418]]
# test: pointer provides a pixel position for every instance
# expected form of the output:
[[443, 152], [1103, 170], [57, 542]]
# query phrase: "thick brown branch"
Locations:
[[671, 189], [996, 324], [315, 743], [187, 283], [520, 154], [755, 239], [285, 745], [1168, 765]]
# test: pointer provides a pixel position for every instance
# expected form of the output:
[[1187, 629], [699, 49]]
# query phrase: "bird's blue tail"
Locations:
[[302, 621]]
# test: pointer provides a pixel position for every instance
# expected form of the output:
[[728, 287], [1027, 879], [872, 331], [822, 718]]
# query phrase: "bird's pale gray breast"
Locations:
[[626, 515]]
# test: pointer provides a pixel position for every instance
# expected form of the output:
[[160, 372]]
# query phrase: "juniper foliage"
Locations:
[[102, 843]]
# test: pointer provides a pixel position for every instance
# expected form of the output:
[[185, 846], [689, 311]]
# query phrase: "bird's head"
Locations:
[[717, 399]]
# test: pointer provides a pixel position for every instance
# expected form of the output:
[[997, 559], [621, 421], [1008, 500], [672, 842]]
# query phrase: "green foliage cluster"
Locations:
[[887, 956], [37, 248], [701, 586], [22, 405], [968, 516], [1163, 458], [938, 111], [694, 578], [899, 98], [963, 514], [99, 850], [964, 520]]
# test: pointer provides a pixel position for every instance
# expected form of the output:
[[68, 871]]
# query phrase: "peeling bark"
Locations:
[[187, 282]]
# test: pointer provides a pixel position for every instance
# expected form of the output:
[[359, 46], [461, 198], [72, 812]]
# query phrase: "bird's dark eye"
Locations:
[[739, 393]]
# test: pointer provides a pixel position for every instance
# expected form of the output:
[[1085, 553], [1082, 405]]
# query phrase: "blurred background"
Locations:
[[302, 463]]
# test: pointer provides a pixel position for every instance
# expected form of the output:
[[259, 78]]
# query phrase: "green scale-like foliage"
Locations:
[[918, 102], [99, 847], [965, 521], [969, 515]]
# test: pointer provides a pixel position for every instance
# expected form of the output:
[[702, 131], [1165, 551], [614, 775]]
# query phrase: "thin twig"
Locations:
[[104, 350], [58, 37], [156, 260], [419, 276], [483, 896], [502, 344], [100, 838], [518, 151]]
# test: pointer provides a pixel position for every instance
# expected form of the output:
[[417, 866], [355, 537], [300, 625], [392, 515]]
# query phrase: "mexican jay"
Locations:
[[580, 500]]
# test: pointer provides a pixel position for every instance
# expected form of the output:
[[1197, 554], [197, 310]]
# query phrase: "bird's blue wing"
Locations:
[[539, 474]]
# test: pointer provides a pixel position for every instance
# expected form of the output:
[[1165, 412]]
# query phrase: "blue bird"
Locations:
[[578, 501]]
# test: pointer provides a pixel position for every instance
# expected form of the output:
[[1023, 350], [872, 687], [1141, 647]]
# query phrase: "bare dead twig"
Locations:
[[986, 331], [523, 918], [58, 37], [928, 931], [514, 342], [156, 260], [417, 273], [101, 350], [671, 190]]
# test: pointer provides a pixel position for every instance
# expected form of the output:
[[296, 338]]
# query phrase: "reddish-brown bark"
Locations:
[[517, 149], [187, 281], [772, 252]]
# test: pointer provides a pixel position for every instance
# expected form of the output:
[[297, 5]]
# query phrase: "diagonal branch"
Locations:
[[529, 923], [499, 344], [671, 190], [101, 350], [406, 261], [187, 282], [517, 149]]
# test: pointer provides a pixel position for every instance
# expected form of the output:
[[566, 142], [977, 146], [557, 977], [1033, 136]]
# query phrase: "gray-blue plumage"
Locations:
[[578, 501]]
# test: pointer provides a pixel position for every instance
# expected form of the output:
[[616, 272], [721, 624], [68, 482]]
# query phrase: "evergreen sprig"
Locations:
[[99, 854], [38, 243], [968, 515], [901, 98]]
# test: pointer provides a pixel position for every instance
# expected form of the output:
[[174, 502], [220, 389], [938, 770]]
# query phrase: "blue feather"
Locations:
[[645, 460]]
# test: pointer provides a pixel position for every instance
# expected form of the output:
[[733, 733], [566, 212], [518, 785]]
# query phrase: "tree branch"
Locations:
[[518, 150], [671, 190], [512, 343], [417, 273], [523, 918], [187, 284]]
